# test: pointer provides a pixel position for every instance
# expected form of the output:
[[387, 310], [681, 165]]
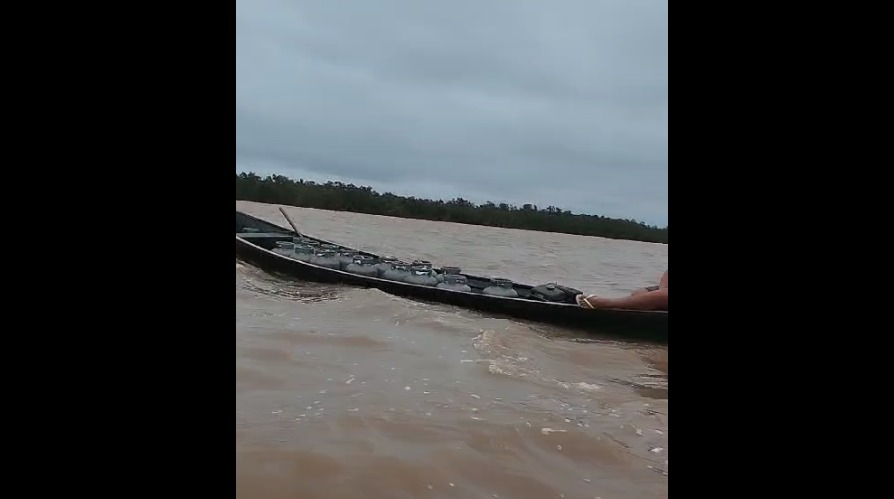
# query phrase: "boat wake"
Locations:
[[258, 282], [653, 386], [506, 356]]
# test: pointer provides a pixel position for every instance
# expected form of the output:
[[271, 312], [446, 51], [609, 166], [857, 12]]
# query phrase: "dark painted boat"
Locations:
[[256, 240]]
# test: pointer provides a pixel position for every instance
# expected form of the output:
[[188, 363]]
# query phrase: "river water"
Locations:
[[353, 393]]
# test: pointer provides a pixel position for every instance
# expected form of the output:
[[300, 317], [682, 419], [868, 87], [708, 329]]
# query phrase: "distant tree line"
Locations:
[[337, 196]]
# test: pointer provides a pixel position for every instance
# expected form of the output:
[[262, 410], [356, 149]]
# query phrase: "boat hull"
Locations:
[[255, 249]]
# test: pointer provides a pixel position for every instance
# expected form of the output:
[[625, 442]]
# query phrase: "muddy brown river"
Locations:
[[353, 393]]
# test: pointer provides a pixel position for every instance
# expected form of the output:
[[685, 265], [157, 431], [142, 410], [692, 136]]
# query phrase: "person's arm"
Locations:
[[654, 300]]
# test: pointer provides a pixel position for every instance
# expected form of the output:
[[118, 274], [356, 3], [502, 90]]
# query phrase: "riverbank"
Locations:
[[337, 196]]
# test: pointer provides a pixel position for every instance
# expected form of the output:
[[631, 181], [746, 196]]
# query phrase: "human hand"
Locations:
[[586, 301]]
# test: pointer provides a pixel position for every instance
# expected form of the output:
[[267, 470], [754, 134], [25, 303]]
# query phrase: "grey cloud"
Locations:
[[513, 100]]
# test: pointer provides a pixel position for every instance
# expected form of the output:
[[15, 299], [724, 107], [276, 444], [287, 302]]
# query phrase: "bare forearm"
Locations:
[[655, 300]]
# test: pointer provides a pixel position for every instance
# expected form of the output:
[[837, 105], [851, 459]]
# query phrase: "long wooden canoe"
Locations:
[[256, 239]]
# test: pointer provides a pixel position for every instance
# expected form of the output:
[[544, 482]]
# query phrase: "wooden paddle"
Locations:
[[295, 228]]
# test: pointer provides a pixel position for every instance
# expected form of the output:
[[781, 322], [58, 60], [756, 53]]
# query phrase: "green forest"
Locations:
[[276, 189]]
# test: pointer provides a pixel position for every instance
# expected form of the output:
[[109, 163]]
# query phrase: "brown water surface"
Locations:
[[353, 393]]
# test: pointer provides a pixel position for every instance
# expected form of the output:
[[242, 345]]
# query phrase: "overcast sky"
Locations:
[[560, 102]]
